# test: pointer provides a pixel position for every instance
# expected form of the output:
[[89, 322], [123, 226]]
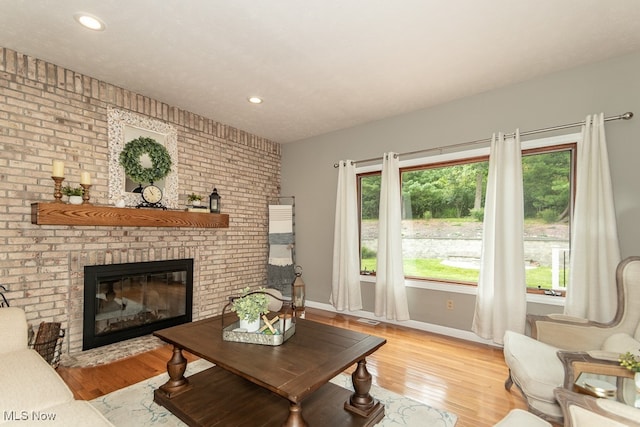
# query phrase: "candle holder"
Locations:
[[57, 192], [85, 193]]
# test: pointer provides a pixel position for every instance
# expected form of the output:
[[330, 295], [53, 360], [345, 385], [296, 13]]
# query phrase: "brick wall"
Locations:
[[48, 112]]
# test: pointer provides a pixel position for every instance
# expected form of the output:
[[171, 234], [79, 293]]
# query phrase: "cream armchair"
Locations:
[[585, 411], [579, 411], [533, 362]]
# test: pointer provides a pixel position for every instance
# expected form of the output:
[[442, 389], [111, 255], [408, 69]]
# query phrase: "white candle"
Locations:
[[85, 178], [58, 169]]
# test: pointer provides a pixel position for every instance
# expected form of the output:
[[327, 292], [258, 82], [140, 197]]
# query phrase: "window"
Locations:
[[443, 207]]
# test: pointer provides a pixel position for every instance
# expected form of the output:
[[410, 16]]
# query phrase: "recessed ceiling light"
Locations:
[[255, 100], [89, 21]]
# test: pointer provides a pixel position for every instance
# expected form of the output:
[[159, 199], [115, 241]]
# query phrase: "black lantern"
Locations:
[[214, 201]]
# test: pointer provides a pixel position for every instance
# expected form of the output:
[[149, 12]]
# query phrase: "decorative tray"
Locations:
[[230, 333], [600, 388]]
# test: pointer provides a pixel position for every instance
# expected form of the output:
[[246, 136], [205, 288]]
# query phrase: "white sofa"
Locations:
[[31, 391]]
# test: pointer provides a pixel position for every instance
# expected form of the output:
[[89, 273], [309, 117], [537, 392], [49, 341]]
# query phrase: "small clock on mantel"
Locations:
[[152, 197]]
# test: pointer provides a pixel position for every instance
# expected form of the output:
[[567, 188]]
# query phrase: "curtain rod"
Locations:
[[626, 116]]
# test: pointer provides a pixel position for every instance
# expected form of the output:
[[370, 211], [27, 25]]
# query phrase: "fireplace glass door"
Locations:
[[126, 300]]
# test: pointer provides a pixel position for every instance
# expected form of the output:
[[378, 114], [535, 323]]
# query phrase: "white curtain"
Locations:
[[595, 251], [391, 296], [501, 299], [345, 283]]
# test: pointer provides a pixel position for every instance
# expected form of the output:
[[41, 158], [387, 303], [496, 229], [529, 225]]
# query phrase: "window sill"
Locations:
[[468, 290]]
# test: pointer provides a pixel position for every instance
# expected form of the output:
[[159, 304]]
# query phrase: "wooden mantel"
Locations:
[[86, 214]]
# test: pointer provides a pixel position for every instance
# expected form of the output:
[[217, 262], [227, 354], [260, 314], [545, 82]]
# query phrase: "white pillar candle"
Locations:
[[58, 169], [85, 178]]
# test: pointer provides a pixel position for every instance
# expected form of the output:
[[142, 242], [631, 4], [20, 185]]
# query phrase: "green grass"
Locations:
[[539, 277], [433, 268]]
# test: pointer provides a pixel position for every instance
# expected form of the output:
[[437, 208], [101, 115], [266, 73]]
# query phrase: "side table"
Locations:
[[598, 377]]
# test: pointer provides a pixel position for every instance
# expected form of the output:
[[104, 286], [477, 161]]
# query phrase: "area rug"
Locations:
[[133, 406]]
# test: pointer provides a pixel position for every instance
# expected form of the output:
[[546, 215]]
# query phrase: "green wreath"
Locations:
[[130, 160]]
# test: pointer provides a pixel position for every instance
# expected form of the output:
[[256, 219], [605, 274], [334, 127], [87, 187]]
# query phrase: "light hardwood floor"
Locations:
[[462, 377]]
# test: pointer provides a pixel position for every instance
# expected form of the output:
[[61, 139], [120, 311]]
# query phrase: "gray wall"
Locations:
[[307, 166]]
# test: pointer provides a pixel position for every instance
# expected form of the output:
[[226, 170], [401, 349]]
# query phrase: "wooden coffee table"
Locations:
[[258, 385]]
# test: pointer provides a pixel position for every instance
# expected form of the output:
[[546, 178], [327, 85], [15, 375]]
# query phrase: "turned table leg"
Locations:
[[177, 383], [295, 417], [361, 402]]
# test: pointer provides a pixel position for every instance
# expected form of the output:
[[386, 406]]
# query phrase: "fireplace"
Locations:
[[123, 301]]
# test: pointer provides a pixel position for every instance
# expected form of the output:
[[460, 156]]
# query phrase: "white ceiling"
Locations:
[[320, 65]]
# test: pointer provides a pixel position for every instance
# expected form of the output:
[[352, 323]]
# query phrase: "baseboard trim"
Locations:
[[427, 327]]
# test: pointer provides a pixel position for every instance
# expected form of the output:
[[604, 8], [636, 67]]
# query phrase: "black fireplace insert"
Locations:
[[123, 301]]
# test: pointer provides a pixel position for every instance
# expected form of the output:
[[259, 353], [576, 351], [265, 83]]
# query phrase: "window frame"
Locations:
[[555, 143]]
